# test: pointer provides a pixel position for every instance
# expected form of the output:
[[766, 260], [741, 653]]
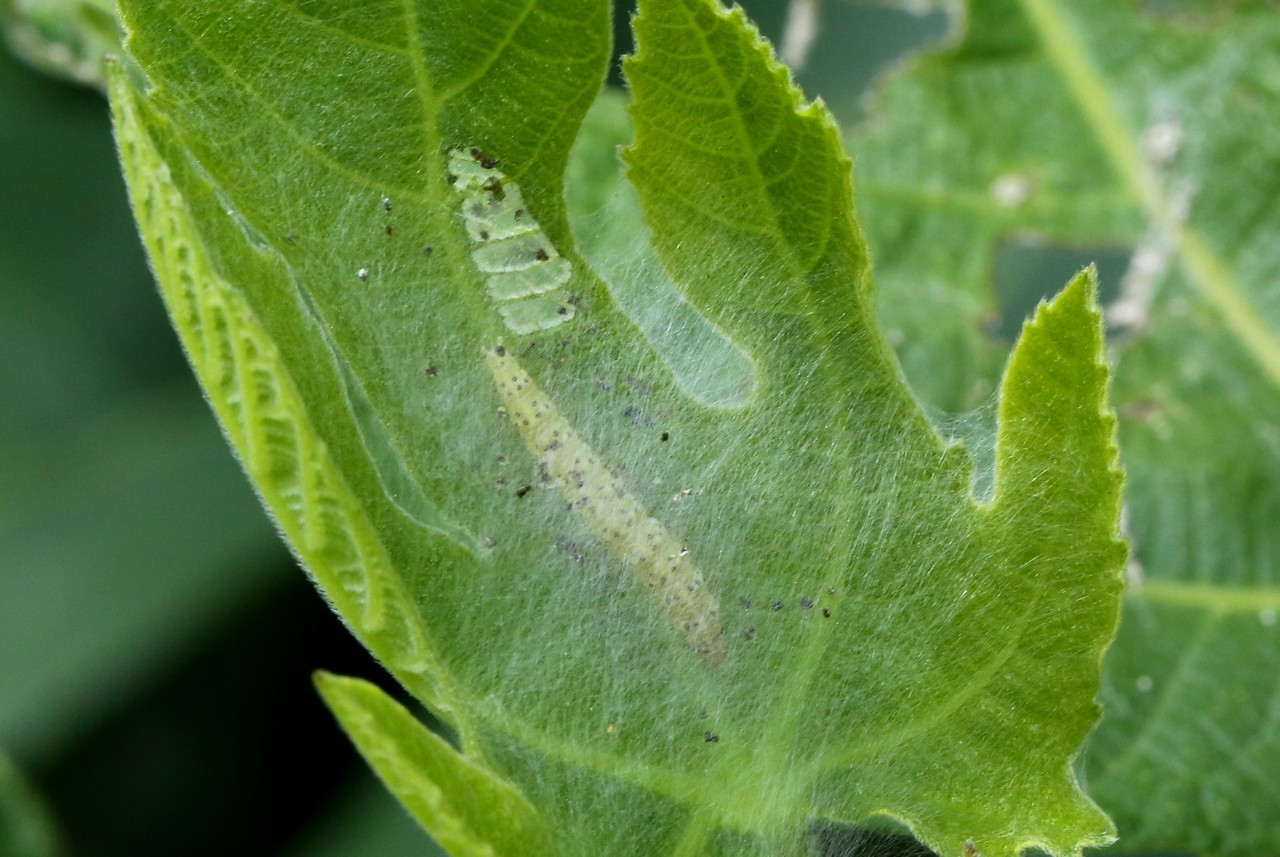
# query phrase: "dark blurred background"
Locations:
[[156, 640]]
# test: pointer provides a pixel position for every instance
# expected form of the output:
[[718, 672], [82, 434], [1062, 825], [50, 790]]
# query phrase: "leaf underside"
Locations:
[[675, 590]]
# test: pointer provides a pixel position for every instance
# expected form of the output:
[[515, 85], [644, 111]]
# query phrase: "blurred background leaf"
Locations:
[[156, 641], [66, 38], [1141, 135]]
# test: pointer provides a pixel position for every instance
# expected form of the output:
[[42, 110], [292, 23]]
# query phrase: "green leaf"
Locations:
[[688, 581], [466, 808], [1146, 126]]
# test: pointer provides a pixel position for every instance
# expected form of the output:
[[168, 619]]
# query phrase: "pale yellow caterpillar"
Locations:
[[524, 275], [658, 561]]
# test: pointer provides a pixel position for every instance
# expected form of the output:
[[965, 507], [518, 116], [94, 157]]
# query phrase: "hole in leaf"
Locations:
[[886, 839], [884, 35]]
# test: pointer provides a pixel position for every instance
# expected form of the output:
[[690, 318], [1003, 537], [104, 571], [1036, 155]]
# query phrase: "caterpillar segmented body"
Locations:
[[614, 515], [524, 275]]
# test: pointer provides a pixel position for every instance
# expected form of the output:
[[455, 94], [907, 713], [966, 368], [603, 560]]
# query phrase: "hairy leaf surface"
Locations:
[[1149, 127], [687, 584]]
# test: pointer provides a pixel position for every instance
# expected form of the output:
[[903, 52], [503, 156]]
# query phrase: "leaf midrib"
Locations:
[[1090, 91], [679, 787], [422, 81], [460, 86]]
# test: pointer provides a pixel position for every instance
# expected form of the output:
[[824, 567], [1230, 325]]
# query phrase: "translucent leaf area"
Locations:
[[1147, 127], [658, 530]]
